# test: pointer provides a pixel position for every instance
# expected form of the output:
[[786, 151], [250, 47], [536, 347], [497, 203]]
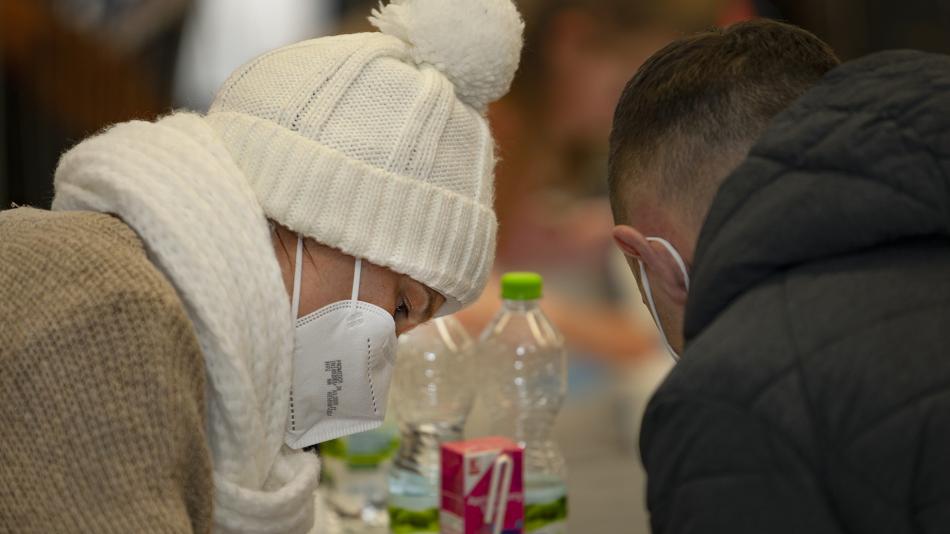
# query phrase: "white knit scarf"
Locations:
[[175, 184]]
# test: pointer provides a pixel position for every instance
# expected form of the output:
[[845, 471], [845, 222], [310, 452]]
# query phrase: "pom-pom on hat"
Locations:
[[475, 44], [377, 143]]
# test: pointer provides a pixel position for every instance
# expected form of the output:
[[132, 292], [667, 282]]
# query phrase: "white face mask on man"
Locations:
[[343, 362], [649, 292]]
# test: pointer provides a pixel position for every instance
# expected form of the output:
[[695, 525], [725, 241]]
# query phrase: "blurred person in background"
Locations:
[[213, 293], [71, 67], [789, 228], [220, 35]]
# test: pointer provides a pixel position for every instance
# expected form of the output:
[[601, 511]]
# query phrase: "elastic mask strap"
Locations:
[[648, 290], [676, 257], [298, 267], [357, 274], [645, 280]]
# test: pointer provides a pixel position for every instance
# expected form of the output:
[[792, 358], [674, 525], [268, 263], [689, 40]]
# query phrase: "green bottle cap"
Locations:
[[521, 286]]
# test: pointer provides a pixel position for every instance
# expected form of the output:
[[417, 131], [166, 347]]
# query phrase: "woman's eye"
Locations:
[[401, 311]]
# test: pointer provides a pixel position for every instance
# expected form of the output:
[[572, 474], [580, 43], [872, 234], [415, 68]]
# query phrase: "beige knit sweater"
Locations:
[[102, 382]]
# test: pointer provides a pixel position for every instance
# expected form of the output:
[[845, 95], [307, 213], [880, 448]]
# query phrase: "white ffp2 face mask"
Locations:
[[343, 362], [649, 292]]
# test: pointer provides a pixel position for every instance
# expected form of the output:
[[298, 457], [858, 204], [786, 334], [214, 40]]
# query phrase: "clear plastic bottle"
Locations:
[[431, 396], [355, 472], [526, 381]]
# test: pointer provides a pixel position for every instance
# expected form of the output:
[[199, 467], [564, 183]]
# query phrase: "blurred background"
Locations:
[[72, 67]]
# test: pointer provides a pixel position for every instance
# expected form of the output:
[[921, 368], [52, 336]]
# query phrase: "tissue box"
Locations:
[[482, 484]]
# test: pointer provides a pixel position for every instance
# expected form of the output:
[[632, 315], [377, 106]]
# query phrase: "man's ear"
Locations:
[[665, 273], [631, 242]]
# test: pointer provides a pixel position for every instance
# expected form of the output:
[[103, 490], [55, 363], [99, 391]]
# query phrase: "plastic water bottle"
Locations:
[[431, 396], [526, 367], [355, 470]]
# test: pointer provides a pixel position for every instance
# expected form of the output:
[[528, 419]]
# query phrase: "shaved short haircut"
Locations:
[[694, 109]]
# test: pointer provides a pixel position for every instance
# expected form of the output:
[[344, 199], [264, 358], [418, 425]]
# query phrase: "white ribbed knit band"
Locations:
[[440, 238]]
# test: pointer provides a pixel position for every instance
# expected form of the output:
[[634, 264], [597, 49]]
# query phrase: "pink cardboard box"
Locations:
[[482, 487]]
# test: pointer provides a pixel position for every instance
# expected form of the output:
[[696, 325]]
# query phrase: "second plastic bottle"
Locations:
[[525, 368]]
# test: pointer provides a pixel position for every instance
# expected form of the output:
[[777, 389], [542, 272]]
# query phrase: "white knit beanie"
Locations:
[[377, 144]]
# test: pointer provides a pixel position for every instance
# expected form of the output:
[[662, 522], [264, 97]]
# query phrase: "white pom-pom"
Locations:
[[475, 43]]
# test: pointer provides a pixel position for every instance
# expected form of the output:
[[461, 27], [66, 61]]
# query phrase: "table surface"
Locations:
[[597, 434], [605, 478]]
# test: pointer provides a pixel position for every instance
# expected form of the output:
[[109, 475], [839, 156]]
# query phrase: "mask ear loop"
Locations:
[[298, 267], [676, 257], [656, 317], [649, 291]]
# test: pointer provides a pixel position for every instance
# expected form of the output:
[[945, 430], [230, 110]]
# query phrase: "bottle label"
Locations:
[[546, 518], [406, 521], [367, 450]]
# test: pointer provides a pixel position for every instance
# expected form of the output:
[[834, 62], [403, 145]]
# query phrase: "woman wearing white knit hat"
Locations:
[[211, 294]]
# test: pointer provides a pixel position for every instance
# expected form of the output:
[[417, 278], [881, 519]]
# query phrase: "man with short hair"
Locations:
[[790, 230], [685, 121]]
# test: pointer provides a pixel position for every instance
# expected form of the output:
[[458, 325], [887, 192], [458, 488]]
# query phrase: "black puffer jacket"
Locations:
[[814, 394]]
